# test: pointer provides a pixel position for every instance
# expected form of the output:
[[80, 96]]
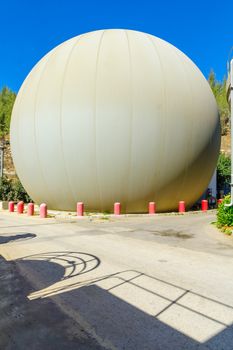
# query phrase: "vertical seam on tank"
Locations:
[[95, 120], [34, 120], [131, 121], [189, 146], [164, 119], [61, 115]]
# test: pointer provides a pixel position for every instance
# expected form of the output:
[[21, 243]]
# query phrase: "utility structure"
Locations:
[[115, 116], [2, 147], [230, 99]]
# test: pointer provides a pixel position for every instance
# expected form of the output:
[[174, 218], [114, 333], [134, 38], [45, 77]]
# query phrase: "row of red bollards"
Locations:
[[204, 205], [117, 208], [30, 208], [151, 207], [80, 208]]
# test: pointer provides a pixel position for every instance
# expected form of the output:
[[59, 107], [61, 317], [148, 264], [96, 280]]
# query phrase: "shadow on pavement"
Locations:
[[124, 310], [7, 239], [52, 267], [37, 324]]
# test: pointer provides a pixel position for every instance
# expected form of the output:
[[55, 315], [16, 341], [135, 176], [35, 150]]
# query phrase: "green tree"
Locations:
[[223, 170], [13, 190], [220, 93], [7, 99]]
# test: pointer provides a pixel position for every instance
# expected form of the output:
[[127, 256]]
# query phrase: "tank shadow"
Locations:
[[97, 313]]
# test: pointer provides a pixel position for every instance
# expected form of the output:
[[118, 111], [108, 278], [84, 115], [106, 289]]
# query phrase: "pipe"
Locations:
[[231, 107]]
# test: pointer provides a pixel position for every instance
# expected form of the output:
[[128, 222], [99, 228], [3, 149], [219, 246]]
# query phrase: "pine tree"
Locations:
[[220, 93], [7, 99]]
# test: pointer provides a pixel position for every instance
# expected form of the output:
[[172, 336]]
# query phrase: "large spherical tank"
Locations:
[[115, 115]]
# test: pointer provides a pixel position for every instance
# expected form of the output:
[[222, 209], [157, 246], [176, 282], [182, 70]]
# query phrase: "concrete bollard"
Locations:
[[181, 207], [152, 208], [20, 207], [80, 209], [43, 211], [117, 208], [11, 206], [204, 205], [30, 209]]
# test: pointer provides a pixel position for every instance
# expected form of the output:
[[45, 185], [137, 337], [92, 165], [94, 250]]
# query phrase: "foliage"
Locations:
[[5, 189], [20, 193], [13, 190], [225, 215], [220, 93], [7, 99], [223, 170]]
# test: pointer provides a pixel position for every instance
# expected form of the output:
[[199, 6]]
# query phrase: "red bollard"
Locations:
[[204, 205], [152, 207], [20, 207], [117, 208], [30, 209], [181, 207], [11, 206], [80, 209], [43, 211]]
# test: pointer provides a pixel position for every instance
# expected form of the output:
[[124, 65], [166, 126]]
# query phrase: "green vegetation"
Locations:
[[9, 189], [7, 99], [224, 161], [225, 216], [223, 170], [12, 190], [220, 93]]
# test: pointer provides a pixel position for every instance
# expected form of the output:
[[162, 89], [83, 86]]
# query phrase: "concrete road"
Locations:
[[161, 282]]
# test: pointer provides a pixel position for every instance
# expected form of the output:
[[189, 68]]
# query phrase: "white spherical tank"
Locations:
[[115, 115]]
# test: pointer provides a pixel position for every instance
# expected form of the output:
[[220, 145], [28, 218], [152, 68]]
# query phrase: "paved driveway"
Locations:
[[162, 282]]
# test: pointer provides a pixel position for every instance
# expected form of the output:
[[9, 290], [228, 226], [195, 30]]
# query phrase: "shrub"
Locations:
[[13, 190], [19, 192], [6, 189], [225, 214], [223, 170]]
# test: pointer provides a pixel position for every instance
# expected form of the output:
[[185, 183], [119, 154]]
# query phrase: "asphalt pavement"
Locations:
[[159, 282]]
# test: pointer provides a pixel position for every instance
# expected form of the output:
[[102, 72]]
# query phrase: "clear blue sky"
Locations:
[[29, 29]]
